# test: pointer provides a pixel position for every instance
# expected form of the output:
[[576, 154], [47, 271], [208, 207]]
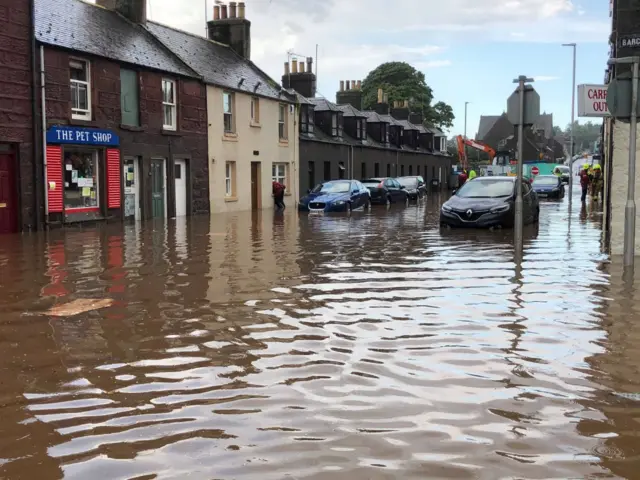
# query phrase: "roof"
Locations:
[[390, 120], [373, 117], [408, 125], [349, 111], [84, 27], [323, 105], [218, 64], [486, 123], [545, 122], [299, 98]]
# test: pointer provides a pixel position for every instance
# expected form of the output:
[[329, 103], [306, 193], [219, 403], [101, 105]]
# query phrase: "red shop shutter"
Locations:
[[113, 178], [54, 179]]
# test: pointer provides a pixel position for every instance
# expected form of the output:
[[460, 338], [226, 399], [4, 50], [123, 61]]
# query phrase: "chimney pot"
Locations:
[[294, 66], [359, 84], [353, 84], [380, 96], [347, 87], [233, 9], [301, 67], [241, 12], [310, 64], [286, 68], [216, 12], [223, 11], [342, 85], [406, 104], [385, 99]]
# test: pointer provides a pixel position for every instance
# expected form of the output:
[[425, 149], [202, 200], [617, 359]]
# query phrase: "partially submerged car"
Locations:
[[336, 196], [550, 186]]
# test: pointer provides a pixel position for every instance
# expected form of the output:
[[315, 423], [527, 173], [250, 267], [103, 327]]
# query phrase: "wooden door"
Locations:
[[255, 185], [157, 188], [8, 194]]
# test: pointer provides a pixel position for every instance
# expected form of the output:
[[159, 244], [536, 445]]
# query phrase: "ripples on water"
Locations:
[[369, 347]]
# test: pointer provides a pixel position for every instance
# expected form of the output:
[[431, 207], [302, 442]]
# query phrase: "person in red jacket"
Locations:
[[585, 180], [462, 178], [278, 195]]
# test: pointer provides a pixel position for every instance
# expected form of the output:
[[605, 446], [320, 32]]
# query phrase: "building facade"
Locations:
[[341, 140], [19, 141], [126, 120], [252, 132]]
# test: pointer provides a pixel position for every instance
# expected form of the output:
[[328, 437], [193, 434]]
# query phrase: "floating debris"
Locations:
[[79, 306]]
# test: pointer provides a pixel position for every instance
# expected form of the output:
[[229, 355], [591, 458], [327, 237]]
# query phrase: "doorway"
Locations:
[[8, 194], [131, 179], [158, 188], [180, 170], [255, 186]]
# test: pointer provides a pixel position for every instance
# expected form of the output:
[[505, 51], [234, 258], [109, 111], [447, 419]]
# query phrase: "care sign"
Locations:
[[82, 136], [592, 101]]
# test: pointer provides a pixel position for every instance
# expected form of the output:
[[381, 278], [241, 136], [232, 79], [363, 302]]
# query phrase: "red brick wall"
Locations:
[[16, 97], [190, 141]]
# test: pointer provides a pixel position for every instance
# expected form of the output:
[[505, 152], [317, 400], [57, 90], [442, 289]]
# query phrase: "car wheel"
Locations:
[[367, 206]]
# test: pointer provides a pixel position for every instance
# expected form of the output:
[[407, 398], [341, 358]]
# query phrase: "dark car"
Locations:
[[415, 187], [336, 196], [489, 202], [550, 186], [385, 191], [562, 171]]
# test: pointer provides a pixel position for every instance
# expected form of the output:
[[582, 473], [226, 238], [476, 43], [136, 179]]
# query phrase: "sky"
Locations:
[[469, 50]]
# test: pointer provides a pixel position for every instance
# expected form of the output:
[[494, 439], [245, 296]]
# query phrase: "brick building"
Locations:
[[126, 118], [19, 141]]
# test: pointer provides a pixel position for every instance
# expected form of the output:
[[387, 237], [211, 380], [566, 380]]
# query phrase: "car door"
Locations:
[[364, 193], [356, 194], [391, 189], [402, 192]]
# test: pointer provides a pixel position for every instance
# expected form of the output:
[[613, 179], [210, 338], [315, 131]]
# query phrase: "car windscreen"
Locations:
[[408, 182], [486, 189], [371, 182], [545, 181], [332, 187]]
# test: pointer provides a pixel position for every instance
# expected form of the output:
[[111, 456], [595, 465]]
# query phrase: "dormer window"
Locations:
[[306, 119], [360, 128], [336, 125]]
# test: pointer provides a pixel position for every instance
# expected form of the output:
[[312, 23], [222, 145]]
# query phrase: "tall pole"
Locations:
[[518, 224], [573, 120], [464, 162], [630, 207]]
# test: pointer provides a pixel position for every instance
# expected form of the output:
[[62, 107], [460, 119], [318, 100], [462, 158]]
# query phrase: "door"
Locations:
[[255, 185], [131, 174], [158, 191], [8, 194], [180, 168]]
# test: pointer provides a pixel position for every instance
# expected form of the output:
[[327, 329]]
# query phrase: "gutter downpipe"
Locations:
[[43, 106], [34, 119]]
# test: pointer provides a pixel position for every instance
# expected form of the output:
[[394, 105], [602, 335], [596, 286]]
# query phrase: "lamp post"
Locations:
[[465, 134], [573, 119]]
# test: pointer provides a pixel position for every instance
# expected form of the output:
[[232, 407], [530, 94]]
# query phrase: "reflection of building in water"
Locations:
[[252, 253]]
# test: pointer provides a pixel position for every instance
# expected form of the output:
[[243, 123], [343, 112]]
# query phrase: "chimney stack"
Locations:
[[349, 94], [400, 110], [133, 10], [382, 107], [300, 77], [230, 27]]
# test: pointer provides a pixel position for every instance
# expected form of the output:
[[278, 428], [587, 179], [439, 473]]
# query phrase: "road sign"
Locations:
[[535, 171], [592, 101], [531, 106], [619, 98]]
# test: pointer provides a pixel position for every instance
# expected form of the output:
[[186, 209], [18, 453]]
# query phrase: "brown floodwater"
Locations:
[[269, 346]]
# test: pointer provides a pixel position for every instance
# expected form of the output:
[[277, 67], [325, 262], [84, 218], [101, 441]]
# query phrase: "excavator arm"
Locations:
[[473, 144]]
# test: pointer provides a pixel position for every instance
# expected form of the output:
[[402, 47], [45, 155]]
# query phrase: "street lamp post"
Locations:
[[573, 119], [465, 133]]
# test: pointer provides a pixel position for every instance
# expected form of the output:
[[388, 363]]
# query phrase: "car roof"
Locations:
[[500, 178]]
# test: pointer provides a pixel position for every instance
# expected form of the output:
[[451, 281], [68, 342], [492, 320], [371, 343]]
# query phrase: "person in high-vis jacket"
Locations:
[[472, 174], [597, 183]]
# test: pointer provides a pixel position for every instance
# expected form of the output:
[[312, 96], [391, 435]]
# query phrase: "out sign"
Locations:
[[592, 101]]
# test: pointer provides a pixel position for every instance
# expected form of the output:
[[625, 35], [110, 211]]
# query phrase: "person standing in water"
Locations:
[[278, 195]]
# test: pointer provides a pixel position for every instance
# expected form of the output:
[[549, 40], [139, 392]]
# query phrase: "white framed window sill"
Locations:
[[255, 124], [230, 199], [283, 142], [83, 118], [230, 137]]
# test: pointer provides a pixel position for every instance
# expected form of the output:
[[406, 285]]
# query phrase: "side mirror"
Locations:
[[402, 187]]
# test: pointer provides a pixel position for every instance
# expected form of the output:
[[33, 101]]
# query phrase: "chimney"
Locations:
[[382, 107], [302, 80], [380, 97], [415, 118], [133, 10], [286, 68], [350, 95], [229, 26], [400, 110]]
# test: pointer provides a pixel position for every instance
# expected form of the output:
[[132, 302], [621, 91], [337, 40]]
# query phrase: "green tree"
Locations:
[[585, 136], [400, 81]]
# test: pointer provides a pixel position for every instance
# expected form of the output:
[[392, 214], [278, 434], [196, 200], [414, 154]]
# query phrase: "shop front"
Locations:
[[83, 174]]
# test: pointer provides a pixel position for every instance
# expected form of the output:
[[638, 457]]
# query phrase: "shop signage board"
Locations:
[[64, 134], [592, 101], [629, 41]]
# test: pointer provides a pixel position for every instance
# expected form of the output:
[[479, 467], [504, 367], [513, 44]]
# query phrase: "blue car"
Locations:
[[336, 196], [550, 186]]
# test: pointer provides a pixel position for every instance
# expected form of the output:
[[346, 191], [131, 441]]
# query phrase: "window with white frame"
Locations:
[[279, 173], [80, 89], [169, 104], [230, 179], [443, 144], [255, 110], [282, 122], [227, 106], [334, 124]]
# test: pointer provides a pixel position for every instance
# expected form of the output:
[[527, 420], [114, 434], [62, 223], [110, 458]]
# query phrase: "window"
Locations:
[[340, 124], [376, 169], [341, 170], [282, 122], [402, 170], [334, 124], [327, 171], [230, 179], [385, 133], [304, 119], [169, 105], [418, 170], [363, 122], [410, 170], [363, 170], [129, 103], [80, 178], [80, 90], [388, 169], [312, 174], [279, 173], [443, 144], [177, 171], [255, 110], [227, 105]]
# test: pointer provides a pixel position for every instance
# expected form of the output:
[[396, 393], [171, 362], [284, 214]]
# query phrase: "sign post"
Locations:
[[523, 109], [622, 101]]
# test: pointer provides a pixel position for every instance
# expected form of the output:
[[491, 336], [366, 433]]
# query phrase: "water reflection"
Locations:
[[374, 345]]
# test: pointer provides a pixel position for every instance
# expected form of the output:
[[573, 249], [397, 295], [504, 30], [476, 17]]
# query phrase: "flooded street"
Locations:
[[374, 346]]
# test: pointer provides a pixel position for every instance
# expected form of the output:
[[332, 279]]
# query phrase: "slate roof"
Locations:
[[87, 28], [485, 125], [299, 98], [217, 63], [324, 105], [545, 122], [349, 111], [408, 125], [373, 117], [390, 120]]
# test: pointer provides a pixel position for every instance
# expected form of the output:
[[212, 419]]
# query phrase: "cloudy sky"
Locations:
[[470, 50]]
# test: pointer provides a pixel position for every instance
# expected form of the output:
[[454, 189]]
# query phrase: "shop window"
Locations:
[[129, 103], [255, 110], [282, 122], [230, 179], [80, 179], [169, 105], [227, 106], [80, 89], [279, 173]]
